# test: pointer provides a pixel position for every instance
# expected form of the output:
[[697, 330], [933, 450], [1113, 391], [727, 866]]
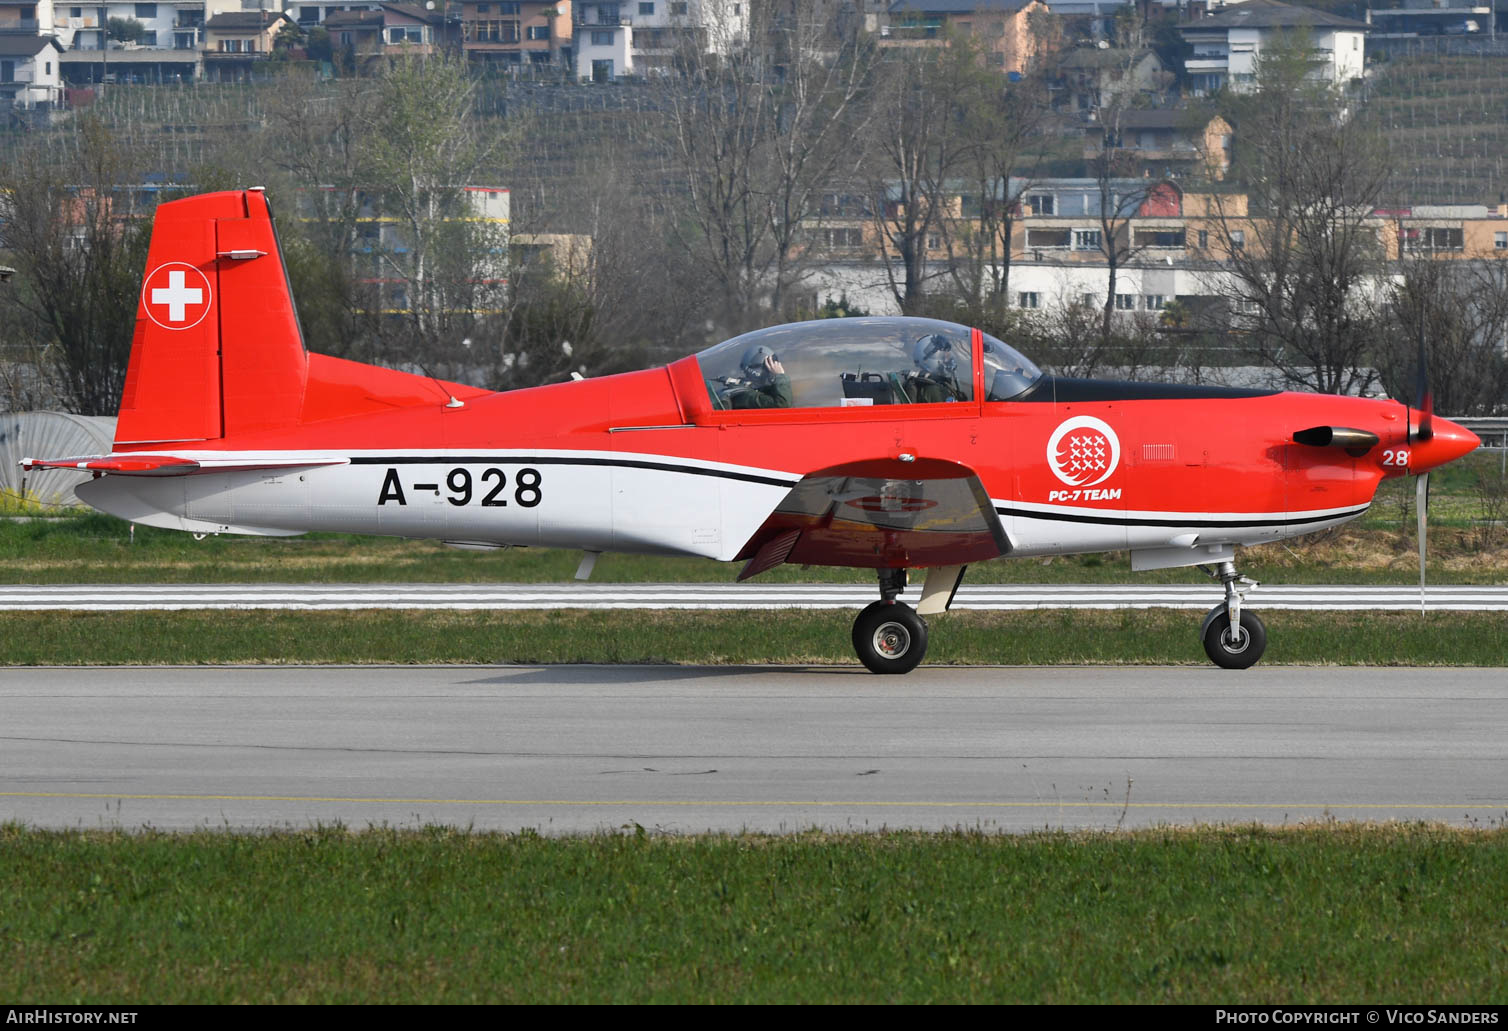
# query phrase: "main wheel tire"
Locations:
[[1234, 650], [890, 637]]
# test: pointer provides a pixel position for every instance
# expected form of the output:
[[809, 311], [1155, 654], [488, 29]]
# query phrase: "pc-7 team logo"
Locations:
[[176, 295], [1083, 451]]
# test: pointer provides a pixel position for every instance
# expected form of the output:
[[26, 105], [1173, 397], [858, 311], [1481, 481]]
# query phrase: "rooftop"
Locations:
[[1271, 14]]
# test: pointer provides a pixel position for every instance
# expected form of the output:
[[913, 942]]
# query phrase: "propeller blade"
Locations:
[[1424, 398], [1421, 506]]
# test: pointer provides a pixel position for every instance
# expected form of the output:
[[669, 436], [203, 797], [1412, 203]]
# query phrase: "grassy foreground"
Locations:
[[783, 636], [1327, 914]]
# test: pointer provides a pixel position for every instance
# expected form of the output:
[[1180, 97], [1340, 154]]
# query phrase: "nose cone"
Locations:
[[1449, 443]]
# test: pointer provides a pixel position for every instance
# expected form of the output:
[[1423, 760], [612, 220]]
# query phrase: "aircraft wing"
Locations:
[[169, 465], [880, 513]]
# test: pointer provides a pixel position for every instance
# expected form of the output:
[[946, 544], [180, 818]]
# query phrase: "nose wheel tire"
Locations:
[[890, 637], [1237, 648]]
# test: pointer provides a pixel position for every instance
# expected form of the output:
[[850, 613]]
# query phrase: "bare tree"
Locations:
[[918, 144], [1459, 308], [79, 243], [1002, 123], [1304, 262], [423, 149]]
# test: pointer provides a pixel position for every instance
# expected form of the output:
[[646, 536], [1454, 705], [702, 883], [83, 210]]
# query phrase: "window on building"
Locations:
[[679, 8], [75, 12], [1154, 302], [145, 12], [1237, 239], [1204, 238], [1047, 238], [1086, 239], [508, 7], [602, 38], [1441, 238], [1041, 204], [1162, 237], [1087, 300], [149, 38], [646, 8], [1125, 302], [1028, 299], [1500, 241], [934, 242], [539, 32]]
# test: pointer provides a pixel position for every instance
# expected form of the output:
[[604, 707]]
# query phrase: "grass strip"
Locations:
[[94, 548], [1325, 914], [776, 636]]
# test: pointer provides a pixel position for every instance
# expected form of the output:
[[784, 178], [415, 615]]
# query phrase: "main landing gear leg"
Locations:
[[889, 636], [1233, 638]]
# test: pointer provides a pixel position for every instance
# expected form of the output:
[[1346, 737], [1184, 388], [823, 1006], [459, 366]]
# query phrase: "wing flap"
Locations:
[[880, 513]]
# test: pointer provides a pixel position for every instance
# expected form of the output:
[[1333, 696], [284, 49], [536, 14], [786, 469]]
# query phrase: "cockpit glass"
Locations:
[[843, 363], [1007, 372]]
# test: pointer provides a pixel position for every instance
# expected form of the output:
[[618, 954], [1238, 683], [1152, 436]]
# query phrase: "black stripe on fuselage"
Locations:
[[1062, 390], [1109, 520], [622, 463]]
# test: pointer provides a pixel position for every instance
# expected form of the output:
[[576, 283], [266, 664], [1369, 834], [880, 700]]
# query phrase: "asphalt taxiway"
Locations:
[[565, 749]]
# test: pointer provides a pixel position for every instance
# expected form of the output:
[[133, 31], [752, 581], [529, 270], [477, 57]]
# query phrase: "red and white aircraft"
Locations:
[[886, 443]]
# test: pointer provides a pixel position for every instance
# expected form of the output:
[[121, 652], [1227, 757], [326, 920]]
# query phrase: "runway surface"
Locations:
[[579, 748], [121, 597]]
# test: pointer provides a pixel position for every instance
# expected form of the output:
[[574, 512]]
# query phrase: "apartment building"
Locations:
[[617, 38], [517, 33]]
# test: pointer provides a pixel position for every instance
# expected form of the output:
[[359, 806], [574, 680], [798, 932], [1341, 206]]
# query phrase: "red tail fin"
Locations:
[[217, 349]]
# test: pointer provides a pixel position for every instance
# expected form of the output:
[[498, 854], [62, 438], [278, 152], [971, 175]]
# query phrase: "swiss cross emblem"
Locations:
[[176, 295], [1083, 451]]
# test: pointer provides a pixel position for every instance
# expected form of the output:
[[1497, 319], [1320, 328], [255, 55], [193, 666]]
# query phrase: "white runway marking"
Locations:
[[133, 597]]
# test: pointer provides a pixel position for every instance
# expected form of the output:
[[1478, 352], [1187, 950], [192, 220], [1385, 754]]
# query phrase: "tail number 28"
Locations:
[[1398, 458]]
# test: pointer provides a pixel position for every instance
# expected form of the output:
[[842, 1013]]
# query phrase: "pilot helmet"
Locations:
[[934, 356], [753, 363]]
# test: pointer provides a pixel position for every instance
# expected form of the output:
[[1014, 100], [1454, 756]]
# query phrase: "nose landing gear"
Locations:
[[1233, 638], [888, 635]]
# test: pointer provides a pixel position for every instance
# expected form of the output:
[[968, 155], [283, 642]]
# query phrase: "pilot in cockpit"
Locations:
[[935, 377], [764, 383]]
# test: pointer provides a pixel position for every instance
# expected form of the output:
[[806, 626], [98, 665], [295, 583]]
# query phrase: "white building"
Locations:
[[166, 26], [614, 38], [30, 70], [1228, 42]]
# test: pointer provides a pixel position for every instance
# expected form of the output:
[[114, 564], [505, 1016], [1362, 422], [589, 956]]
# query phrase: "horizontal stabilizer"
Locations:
[[168, 465]]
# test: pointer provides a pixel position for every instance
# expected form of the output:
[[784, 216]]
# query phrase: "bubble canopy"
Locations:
[[858, 363]]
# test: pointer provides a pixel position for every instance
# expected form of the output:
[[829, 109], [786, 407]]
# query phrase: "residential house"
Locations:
[[1088, 78], [614, 38], [1167, 143], [517, 33], [1229, 40], [389, 30], [30, 71], [237, 41], [1003, 26]]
